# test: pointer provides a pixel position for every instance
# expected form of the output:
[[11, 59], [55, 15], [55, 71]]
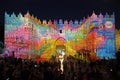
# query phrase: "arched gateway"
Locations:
[[60, 45]]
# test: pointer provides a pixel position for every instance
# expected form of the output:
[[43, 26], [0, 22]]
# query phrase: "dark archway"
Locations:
[[60, 48]]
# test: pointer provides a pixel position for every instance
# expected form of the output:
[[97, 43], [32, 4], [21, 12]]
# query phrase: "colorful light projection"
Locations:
[[117, 35], [28, 37]]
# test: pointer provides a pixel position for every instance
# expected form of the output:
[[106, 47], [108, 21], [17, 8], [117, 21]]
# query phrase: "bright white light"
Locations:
[[63, 53], [61, 58]]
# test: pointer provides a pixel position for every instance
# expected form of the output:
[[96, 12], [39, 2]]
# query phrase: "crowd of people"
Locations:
[[18, 69]]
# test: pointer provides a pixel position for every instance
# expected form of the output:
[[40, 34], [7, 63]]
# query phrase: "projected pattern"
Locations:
[[29, 37]]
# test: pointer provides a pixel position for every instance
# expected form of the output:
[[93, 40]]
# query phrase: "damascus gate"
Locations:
[[27, 36]]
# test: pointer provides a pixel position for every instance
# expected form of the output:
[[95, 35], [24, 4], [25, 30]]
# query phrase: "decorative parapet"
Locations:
[[60, 21]]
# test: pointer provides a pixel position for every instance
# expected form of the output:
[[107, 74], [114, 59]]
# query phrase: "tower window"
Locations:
[[60, 31]]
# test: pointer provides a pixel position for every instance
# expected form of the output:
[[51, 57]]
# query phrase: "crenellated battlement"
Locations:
[[60, 21]]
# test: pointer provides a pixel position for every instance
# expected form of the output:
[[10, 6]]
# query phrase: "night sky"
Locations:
[[59, 9]]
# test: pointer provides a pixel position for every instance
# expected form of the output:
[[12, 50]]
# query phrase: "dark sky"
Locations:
[[59, 9], [66, 9]]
